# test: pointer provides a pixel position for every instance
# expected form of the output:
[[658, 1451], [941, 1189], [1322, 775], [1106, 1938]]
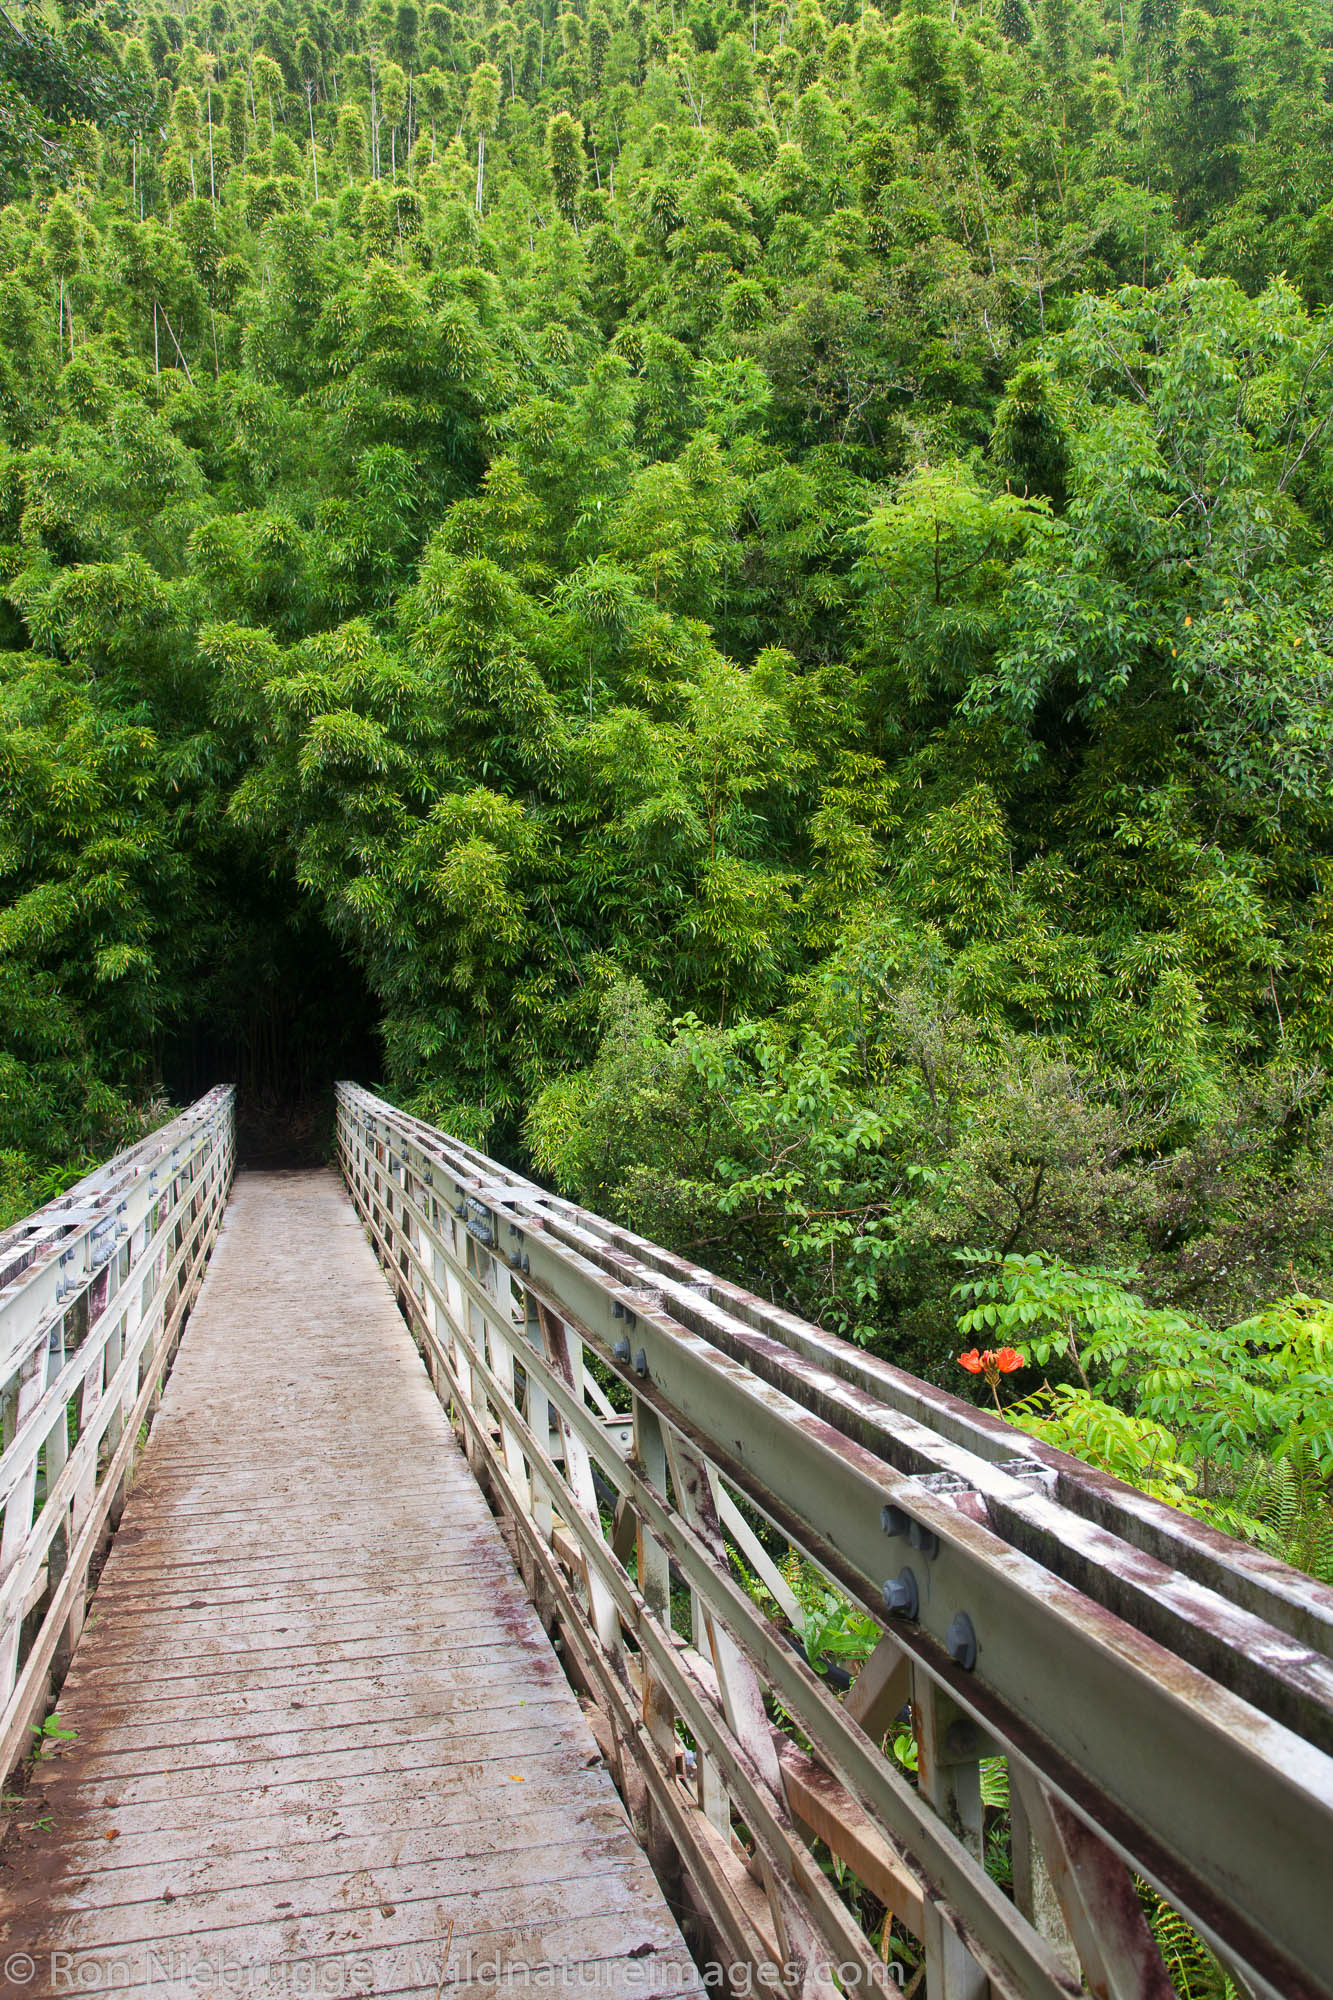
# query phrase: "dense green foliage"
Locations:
[[1234, 1424], [760, 579]]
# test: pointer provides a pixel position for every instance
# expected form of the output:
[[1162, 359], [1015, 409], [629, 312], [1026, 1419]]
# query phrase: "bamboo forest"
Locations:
[[733, 603]]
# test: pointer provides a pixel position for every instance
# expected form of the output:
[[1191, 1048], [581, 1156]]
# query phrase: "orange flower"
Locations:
[[992, 1365]]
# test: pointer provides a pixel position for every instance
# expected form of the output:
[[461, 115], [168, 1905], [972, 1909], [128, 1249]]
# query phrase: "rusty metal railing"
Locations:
[[1158, 1698], [94, 1289]]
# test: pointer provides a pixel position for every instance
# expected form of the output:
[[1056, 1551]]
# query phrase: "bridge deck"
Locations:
[[323, 1745]]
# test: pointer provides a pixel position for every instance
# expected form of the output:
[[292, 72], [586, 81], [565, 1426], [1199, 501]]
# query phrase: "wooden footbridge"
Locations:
[[434, 1629]]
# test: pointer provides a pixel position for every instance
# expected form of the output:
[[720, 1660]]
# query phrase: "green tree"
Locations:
[[392, 100], [481, 115], [268, 84], [564, 151]]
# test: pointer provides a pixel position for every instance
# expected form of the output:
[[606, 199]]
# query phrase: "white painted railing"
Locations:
[[93, 1292], [1158, 1698]]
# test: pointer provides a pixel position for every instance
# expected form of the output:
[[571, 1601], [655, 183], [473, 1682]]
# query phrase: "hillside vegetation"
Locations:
[[755, 582]]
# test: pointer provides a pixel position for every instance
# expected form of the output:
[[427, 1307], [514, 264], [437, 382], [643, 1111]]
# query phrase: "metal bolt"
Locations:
[[896, 1521], [961, 1640], [901, 1596], [923, 1539], [641, 1362], [620, 1352]]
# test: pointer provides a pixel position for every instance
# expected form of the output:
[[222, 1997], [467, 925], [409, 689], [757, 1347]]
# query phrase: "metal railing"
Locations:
[[661, 1443], [94, 1289]]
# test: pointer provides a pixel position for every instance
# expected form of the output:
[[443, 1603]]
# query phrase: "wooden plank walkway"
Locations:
[[323, 1745]]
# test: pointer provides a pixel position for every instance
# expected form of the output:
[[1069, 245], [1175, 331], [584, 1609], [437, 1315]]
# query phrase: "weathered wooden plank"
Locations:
[[314, 1712], [509, 1732], [487, 1774], [470, 1686], [199, 1643], [346, 1807], [196, 1623], [132, 1901], [378, 1656], [142, 1863], [287, 1944], [241, 1581], [462, 1667]]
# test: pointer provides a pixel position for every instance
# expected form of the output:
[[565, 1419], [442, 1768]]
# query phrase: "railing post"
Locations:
[[710, 1788], [55, 1447], [564, 1350], [654, 1575], [18, 1520], [743, 1705], [458, 1311], [1034, 1891], [469, 1380], [949, 1775], [1097, 1897], [500, 1354], [537, 1410], [82, 1499]]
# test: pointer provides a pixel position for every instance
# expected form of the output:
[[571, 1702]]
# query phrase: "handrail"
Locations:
[[1247, 1576], [94, 1289], [1162, 1697]]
